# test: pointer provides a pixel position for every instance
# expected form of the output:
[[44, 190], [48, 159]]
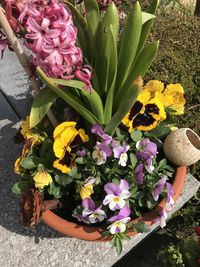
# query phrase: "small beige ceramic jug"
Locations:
[[182, 147]]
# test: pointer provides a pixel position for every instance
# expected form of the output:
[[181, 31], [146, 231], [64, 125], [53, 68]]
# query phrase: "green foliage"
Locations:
[[136, 135], [171, 256], [30, 162], [141, 227], [116, 65], [185, 253], [117, 241], [41, 104], [54, 190], [20, 187], [190, 249]]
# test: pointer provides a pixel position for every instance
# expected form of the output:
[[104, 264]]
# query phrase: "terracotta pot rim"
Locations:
[[92, 233]]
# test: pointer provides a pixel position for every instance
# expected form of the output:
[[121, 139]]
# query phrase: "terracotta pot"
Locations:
[[92, 233], [182, 147]]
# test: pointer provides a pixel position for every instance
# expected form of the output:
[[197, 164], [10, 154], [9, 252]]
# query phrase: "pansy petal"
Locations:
[[124, 185], [125, 211], [111, 188], [88, 203], [108, 199]]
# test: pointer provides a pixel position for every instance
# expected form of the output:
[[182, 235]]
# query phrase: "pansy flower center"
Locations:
[[117, 199]]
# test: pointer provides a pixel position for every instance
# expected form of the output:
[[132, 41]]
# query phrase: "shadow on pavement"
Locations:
[[9, 202]]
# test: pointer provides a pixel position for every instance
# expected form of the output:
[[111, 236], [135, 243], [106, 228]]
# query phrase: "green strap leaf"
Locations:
[[85, 113], [111, 51], [41, 104], [81, 24], [146, 28], [93, 19], [106, 62], [92, 15], [93, 98], [130, 96], [129, 43], [140, 68], [111, 17], [147, 16]]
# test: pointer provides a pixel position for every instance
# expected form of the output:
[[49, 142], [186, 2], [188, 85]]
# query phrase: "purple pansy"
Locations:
[[139, 174], [90, 213], [123, 213], [163, 218], [99, 156], [147, 150], [83, 153], [170, 192], [120, 221], [159, 188], [120, 153], [105, 148], [96, 129], [148, 146], [116, 194]]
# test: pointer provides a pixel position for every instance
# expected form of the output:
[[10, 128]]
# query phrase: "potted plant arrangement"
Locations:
[[98, 162]]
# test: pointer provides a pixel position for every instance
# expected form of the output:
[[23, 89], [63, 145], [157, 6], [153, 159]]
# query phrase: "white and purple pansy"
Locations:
[[147, 150], [116, 195], [162, 217], [119, 221], [90, 213], [99, 156], [159, 187], [120, 152], [161, 184], [170, 194], [96, 129], [147, 146]]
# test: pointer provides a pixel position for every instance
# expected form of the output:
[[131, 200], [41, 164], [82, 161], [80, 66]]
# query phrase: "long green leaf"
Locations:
[[81, 24], [111, 17], [129, 43], [92, 15], [41, 104], [93, 19], [140, 68], [111, 76], [130, 96], [146, 28], [93, 98], [106, 56], [146, 17], [86, 114], [106, 66]]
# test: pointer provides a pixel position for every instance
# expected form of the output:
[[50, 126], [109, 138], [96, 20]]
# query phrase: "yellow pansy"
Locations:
[[17, 167], [42, 179], [68, 125], [145, 117], [25, 128], [28, 145], [61, 164], [154, 86], [86, 191], [66, 140], [173, 97]]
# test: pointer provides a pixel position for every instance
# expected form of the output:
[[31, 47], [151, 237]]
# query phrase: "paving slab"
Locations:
[[41, 246], [15, 84]]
